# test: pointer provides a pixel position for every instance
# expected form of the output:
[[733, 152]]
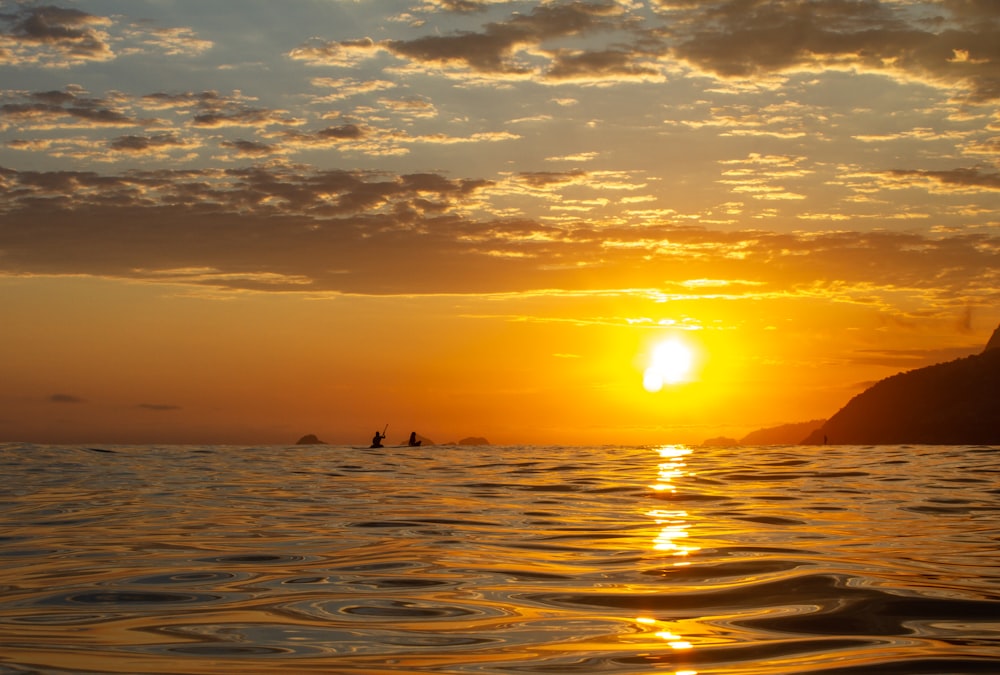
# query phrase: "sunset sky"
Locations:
[[247, 221]]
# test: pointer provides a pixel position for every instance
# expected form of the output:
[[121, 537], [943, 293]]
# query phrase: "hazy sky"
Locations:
[[247, 221]]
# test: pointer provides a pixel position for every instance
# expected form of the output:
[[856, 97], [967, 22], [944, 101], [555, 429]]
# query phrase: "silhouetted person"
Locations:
[[413, 442], [377, 439]]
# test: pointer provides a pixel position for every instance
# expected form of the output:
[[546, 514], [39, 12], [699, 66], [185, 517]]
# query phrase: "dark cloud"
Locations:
[[59, 37], [568, 65], [213, 110], [956, 178], [197, 114], [205, 100], [143, 143], [246, 148], [70, 32], [158, 407], [546, 178], [245, 117], [344, 131], [71, 107], [65, 398], [55, 98], [495, 48], [267, 228], [747, 38], [460, 6], [958, 45]]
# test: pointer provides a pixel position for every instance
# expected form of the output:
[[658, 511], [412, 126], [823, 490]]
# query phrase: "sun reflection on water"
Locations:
[[673, 527], [673, 523]]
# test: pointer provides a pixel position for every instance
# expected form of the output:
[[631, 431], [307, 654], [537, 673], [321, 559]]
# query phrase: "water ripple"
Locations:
[[746, 561]]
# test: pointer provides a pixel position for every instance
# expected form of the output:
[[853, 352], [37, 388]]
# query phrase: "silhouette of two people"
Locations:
[[380, 436]]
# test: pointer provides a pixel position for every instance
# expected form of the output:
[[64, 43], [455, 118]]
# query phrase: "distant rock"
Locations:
[[309, 439], [721, 440], [471, 440], [953, 403]]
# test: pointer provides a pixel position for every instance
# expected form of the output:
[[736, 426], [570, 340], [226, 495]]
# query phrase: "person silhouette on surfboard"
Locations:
[[377, 439]]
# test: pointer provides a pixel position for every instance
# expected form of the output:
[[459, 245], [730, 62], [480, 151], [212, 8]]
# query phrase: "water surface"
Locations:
[[750, 560]]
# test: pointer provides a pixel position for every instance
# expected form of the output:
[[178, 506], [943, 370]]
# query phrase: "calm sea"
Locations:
[[663, 559]]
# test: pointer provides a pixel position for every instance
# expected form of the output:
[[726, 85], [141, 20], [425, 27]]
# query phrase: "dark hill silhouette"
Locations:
[[994, 342], [784, 434], [953, 403]]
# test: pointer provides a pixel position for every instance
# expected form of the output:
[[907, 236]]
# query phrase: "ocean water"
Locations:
[[661, 559]]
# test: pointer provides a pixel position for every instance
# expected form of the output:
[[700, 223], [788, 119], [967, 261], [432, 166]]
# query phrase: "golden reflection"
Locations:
[[671, 638], [673, 524], [673, 529], [660, 629]]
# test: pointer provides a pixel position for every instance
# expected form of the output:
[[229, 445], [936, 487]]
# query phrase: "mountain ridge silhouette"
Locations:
[[951, 403]]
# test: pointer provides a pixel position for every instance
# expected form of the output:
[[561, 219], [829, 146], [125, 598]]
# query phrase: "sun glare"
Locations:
[[672, 362]]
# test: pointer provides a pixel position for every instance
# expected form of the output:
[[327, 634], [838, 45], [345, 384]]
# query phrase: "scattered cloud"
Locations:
[[515, 48], [733, 39], [59, 37], [363, 232], [224, 167]]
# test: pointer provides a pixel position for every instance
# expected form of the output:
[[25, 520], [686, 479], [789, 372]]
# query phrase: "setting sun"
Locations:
[[672, 362]]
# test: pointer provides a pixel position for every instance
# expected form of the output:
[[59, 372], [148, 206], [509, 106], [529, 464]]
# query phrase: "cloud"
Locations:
[[143, 143], [369, 141], [60, 37], [954, 180], [205, 119], [461, 6], [65, 398], [157, 407], [516, 48], [413, 107], [755, 38], [601, 65], [762, 176], [243, 117], [272, 229], [169, 41], [245, 148], [70, 108], [342, 54], [54, 36], [727, 40], [313, 194], [202, 101], [347, 87]]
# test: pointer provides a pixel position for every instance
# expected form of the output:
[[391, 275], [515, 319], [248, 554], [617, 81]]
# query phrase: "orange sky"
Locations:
[[480, 218]]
